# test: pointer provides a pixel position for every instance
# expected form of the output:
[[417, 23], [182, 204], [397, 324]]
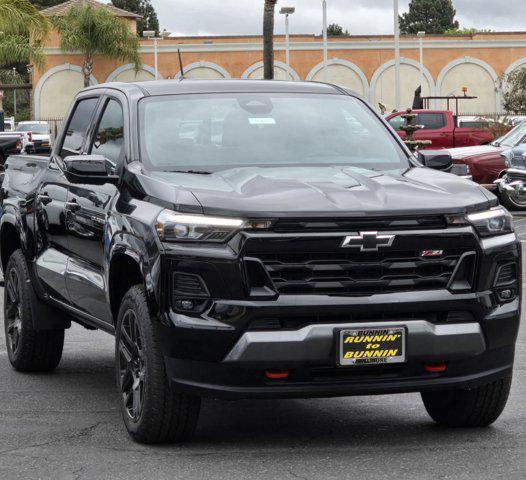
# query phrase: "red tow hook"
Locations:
[[435, 367], [277, 374]]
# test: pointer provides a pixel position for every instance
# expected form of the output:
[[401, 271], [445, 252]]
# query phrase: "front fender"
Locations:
[[148, 261]]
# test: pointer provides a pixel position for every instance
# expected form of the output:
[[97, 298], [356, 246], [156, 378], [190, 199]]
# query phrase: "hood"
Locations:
[[465, 152], [321, 191]]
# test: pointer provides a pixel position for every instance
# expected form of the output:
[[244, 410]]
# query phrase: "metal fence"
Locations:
[[54, 125]]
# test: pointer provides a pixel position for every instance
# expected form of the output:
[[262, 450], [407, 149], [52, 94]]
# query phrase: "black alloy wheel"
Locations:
[[12, 311], [132, 366]]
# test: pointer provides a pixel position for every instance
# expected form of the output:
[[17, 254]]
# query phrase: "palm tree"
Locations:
[[268, 38], [22, 31], [96, 31]]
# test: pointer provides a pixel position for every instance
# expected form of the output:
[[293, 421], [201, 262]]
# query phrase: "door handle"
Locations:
[[72, 206], [44, 199]]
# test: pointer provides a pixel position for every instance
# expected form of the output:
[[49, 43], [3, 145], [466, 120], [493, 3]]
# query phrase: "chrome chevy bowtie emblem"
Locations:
[[368, 241]]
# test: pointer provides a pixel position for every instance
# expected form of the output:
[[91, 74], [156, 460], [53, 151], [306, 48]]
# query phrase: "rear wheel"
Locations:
[[152, 411], [478, 407], [29, 350]]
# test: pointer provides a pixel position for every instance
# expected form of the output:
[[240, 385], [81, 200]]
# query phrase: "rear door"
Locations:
[[51, 202], [87, 221]]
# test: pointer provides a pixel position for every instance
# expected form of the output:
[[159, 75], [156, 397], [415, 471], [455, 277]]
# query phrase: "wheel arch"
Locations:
[[10, 241], [125, 271]]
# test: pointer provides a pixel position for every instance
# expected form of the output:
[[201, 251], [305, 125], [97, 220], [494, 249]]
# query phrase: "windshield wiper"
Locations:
[[194, 172]]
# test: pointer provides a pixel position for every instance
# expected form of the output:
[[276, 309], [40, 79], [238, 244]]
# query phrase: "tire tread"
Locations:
[[39, 350]]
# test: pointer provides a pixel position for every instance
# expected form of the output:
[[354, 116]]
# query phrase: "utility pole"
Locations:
[[14, 92]]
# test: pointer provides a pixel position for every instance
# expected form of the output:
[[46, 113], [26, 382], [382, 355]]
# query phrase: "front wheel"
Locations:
[[478, 407], [513, 200], [152, 411]]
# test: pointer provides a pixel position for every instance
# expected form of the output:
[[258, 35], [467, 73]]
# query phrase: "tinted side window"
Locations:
[[431, 121], [109, 139], [78, 126]]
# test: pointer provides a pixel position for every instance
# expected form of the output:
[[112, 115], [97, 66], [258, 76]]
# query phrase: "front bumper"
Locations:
[[315, 343], [225, 351]]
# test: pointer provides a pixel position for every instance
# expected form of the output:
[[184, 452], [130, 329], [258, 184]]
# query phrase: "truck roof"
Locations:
[[189, 86]]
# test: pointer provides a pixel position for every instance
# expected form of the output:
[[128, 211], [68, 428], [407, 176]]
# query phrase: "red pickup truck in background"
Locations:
[[445, 130]]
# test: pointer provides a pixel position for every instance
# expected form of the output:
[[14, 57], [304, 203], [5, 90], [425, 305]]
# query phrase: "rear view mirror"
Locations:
[[90, 169], [436, 159]]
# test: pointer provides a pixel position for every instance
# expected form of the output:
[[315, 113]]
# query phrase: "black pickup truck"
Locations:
[[251, 239], [9, 144]]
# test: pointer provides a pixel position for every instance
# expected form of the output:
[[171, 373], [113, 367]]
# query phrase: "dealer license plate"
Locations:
[[372, 346]]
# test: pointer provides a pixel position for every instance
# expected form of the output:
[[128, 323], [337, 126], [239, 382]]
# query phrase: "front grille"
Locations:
[[358, 273], [515, 177]]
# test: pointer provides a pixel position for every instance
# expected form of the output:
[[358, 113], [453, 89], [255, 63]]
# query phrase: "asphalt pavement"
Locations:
[[66, 425]]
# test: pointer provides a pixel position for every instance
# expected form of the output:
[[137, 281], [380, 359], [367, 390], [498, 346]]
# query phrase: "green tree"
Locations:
[[514, 95], [430, 16], [22, 31], [268, 39], [96, 31], [41, 4], [144, 8], [335, 30], [467, 31]]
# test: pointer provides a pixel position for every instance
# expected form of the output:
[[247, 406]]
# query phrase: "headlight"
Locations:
[[174, 227], [496, 221]]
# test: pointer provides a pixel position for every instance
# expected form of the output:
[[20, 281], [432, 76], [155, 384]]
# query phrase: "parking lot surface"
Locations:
[[67, 425]]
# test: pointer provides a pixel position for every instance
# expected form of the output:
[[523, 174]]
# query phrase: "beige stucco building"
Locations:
[[363, 63]]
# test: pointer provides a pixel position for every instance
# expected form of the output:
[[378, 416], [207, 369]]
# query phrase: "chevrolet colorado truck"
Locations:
[[253, 239]]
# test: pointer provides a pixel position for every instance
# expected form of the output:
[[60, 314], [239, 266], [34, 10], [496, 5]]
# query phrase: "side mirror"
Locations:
[[94, 169], [436, 159]]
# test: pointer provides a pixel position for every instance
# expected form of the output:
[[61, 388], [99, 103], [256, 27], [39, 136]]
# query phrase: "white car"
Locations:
[[40, 135], [9, 124]]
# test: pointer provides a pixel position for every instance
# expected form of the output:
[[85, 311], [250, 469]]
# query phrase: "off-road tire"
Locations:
[[166, 416], [478, 407], [35, 350]]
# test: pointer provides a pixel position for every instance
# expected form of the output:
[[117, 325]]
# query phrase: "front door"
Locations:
[[51, 204], [87, 211]]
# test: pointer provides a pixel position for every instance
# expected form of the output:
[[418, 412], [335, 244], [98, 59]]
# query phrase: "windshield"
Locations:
[[514, 137], [38, 128], [217, 131]]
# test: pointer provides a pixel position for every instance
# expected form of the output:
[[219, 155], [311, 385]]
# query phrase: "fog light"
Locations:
[[185, 304], [506, 294]]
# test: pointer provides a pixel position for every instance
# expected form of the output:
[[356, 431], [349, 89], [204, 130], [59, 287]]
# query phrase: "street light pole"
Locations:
[[397, 54], [287, 11], [150, 34], [325, 42], [421, 36]]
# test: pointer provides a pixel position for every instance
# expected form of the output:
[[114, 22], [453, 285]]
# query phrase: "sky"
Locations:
[[244, 17]]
